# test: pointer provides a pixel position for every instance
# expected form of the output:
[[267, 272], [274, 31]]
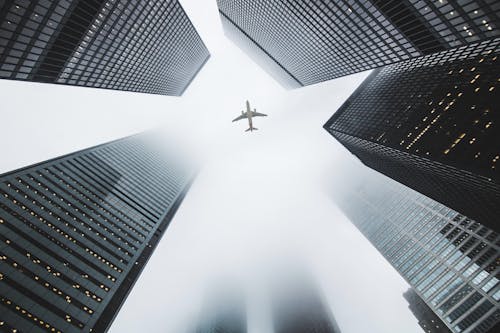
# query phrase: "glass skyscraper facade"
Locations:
[[141, 46], [315, 41], [427, 319], [451, 261], [76, 231], [431, 124], [259, 55]]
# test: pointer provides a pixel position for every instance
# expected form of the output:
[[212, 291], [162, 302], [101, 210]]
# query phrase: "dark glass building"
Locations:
[[306, 42], [141, 46], [76, 231], [449, 260], [431, 123], [427, 319]]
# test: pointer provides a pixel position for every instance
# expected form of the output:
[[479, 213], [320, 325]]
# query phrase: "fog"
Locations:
[[259, 198]]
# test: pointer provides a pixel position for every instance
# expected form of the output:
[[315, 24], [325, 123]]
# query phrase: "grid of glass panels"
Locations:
[[440, 106], [259, 55], [26, 29], [450, 260], [321, 40], [430, 124], [76, 231], [427, 319], [461, 22], [140, 46]]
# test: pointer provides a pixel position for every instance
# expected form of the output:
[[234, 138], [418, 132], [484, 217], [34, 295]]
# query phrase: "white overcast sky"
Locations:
[[259, 197]]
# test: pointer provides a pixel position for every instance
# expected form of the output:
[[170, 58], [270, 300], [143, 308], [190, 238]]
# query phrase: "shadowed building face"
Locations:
[[140, 46], [76, 231], [431, 123], [306, 42]]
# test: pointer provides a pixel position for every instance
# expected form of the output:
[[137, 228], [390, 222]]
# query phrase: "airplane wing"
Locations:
[[240, 117], [256, 114]]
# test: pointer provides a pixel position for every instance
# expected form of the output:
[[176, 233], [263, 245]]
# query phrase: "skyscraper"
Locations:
[[449, 260], [76, 231], [427, 319], [141, 46], [431, 123], [298, 305], [223, 311], [306, 42]]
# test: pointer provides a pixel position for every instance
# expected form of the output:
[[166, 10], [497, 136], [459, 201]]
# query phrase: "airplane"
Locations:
[[249, 115]]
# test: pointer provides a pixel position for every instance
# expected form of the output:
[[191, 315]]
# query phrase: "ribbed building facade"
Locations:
[[259, 55], [427, 319], [449, 260], [141, 46], [431, 123], [314, 41], [76, 231]]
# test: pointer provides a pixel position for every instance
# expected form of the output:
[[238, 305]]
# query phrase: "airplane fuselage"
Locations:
[[250, 123], [249, 114]]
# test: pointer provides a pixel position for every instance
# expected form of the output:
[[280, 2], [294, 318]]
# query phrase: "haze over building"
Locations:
[[298, 305], [76, 231], [449, 260], [141, 46], [223, 310], [307, 42], [431, 124]]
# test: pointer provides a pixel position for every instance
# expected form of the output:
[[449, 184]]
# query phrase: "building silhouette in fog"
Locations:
[[223, 321], [142, 46], [306, 42], [427, 319], [76, 232], [449, 260], [431, 124], [298, 306], [223, 311]]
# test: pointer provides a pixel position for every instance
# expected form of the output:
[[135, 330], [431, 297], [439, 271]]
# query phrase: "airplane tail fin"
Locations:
[[251, 129]]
